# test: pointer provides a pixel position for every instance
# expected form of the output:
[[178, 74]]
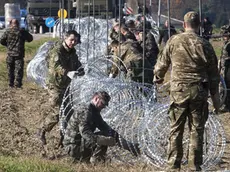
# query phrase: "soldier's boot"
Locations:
[[99, 155], [41, 134]]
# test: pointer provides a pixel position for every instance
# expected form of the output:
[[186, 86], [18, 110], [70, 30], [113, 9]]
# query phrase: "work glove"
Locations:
[[106, 141], [72, 74]]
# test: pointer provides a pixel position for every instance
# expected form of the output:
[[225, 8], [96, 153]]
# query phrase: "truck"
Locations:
[[98, 8], [39, 10]]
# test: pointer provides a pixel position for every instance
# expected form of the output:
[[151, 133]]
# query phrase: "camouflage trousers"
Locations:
[[53, 108], [187, 103], [15, 67], [82, 151]]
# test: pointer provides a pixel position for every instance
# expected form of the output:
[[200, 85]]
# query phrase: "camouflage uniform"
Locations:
[[80, 139], [132, 63], [194, 72], [61, 60], [14, 39], [225, 68]]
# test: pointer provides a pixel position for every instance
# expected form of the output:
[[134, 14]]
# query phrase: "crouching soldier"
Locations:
[[81, 141]]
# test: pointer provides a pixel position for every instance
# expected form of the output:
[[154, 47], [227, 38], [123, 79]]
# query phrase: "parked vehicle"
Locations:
[[2, 22]]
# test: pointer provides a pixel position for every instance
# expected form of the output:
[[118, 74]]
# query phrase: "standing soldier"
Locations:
[[14, 39], [225, 65], [62, 58], [194, 73]]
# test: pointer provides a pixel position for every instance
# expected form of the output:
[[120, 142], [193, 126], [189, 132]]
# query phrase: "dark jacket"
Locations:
[[14, 39]]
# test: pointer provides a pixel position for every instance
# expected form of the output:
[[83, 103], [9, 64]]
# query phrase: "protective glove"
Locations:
[[106, 141], [72, 74], [111, 75]]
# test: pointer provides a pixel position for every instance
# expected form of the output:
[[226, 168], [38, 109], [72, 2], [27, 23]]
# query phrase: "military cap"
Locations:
[[192, 17]]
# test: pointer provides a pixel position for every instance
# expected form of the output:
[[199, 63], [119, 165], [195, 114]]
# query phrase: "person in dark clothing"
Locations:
[[207, 28], [82, 143], [14, 39], [150, 47], [164, 36]]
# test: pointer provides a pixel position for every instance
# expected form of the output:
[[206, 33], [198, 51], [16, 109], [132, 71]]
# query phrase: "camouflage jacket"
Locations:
[[61, 60], [82, 124], [132, 62], [225, 56], [193, 61], [14, 39]]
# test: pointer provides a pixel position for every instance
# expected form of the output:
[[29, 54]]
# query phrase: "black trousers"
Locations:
[[15, 67]]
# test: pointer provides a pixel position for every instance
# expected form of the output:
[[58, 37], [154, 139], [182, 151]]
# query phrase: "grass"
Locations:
[[15, 164]]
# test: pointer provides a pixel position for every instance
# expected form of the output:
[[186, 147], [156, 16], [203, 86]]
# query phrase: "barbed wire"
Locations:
[[133, 110]]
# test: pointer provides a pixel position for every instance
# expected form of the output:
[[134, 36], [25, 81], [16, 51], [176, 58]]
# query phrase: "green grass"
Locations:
[[10, 164]]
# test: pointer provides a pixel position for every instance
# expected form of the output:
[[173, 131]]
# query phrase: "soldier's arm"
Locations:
[[3, 39], [27, 36], [162, 64]]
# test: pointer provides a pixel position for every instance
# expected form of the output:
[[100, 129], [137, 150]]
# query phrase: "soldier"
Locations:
[[225, 65], [62, 58], [207, 28], [131, 62], [81, 141], [151, 48], [194, 73], [164, 36], [14, 39]]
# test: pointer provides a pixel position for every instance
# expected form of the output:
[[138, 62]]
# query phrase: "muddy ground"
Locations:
[[22, 111]]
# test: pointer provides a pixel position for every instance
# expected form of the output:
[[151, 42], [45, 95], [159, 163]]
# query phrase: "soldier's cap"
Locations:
[[192, 17]]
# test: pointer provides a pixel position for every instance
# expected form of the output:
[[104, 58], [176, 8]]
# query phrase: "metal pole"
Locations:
[[143, 39], [159, 14], [150, 7], [169, 21], [200, 13], [62, 17], [60, 20], [68, 14]]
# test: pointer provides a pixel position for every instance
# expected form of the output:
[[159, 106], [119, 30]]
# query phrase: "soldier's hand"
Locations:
[[71, 74], [106, 141]]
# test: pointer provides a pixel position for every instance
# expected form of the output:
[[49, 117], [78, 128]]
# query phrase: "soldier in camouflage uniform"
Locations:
[[14, 39], [62, 58], [131, 62], [225, 64], [194, 73], [81, 141]]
